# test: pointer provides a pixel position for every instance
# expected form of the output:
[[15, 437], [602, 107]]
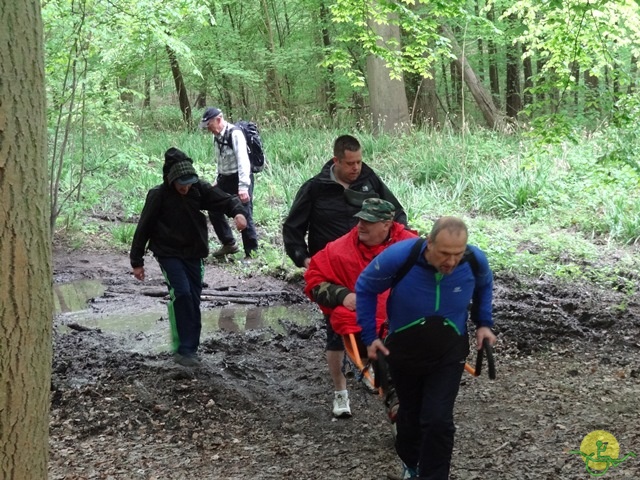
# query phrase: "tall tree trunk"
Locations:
[[513, 100], [527, 66], [181, 89], [146, 103], [480, 95], [329, 82], [389, 108], [274, 97], [26, 299], [456, 85], [480, 43], [424, 110], [494, 76]]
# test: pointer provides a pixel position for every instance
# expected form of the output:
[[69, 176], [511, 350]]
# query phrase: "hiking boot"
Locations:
[[187, 360], [226, 250], [341, 405]]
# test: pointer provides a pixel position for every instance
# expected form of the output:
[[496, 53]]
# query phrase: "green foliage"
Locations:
[[122, 234], [540, 211]]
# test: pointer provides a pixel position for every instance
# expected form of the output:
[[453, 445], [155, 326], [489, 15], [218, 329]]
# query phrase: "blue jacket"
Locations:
[[423, 292]]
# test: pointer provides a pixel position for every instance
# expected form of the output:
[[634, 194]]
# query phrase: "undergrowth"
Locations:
[[559, 210]]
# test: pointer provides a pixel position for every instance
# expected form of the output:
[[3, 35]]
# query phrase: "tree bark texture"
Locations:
[[181, 89], [26, 298], [527, 66], [479, 93], [513, 101], [494, 75], [387, 96]]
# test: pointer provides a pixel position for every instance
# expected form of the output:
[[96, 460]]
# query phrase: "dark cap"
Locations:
[[209, 113], [187, 179], [183, 173], [376, 210]]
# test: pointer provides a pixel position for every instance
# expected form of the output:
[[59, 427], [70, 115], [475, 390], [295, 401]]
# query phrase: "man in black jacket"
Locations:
[[175, 229], [323, 211]]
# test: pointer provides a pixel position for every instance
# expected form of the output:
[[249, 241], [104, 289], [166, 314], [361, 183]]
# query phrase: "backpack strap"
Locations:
[[409, 262], [226, 140], [414, 254]]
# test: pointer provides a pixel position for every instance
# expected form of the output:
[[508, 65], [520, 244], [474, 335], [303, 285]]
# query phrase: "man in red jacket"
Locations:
[[333, 271]]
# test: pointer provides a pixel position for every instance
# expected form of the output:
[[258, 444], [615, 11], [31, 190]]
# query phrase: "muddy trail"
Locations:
[[259, 406]]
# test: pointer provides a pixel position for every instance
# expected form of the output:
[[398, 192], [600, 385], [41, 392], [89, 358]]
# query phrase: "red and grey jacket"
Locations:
[[333, 272]]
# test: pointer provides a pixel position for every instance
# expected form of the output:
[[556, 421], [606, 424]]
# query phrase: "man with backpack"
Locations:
[[427, 344], [234, 176], [324, 210]]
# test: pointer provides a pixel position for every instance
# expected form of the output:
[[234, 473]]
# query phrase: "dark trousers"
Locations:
[[184, 280], [229, 184], [425, 418]]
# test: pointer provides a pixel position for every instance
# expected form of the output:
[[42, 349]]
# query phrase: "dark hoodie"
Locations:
[[171, 224], [325, 210]]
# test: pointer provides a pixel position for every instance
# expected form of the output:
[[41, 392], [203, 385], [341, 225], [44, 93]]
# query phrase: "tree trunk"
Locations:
[[329, 83], [181, 89], [527, 65], [424, 110], [274, 97], [494, 76], [513, 101], [388, 99], [480, 95], [26, 298]]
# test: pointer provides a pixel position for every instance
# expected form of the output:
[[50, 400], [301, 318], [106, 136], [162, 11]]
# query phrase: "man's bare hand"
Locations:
[[241, 222], [138, 272], [481, 334], [244, 197], [349, 302], [375, 347]]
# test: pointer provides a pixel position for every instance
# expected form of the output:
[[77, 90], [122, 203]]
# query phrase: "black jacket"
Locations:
[[173, 225], [325, 210]]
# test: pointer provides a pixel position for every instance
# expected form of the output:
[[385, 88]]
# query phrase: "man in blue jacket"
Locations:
[[427, 343]]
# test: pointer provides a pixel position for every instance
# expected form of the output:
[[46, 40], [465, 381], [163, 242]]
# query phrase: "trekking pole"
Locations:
[[488, 350]]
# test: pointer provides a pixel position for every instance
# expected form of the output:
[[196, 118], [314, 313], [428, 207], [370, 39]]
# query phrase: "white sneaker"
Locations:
[[341, 405]]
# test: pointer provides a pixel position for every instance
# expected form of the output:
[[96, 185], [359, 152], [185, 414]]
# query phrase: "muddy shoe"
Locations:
[[341, 407], [226, 250], [187, 360]]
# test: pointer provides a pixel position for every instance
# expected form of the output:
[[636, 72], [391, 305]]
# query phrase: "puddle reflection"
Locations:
[[149, 331], [71, 297]]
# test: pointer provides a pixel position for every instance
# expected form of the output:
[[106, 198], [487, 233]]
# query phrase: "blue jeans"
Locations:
[[184, 280], [229, 184], [425, 417]]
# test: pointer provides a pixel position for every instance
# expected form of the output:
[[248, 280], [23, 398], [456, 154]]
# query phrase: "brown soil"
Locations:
[[259, 406]]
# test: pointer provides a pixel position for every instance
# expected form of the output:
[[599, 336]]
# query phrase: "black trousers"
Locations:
[[229, 184], [425, 417]]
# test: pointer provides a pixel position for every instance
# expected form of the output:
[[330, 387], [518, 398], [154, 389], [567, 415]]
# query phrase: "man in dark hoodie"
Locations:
[[324, 208], [173, 227]]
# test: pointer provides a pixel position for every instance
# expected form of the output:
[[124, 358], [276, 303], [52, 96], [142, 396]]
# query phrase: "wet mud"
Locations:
[[259, 406]]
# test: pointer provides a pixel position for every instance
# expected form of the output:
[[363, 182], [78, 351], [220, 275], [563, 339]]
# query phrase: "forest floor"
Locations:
[[259, 406]]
